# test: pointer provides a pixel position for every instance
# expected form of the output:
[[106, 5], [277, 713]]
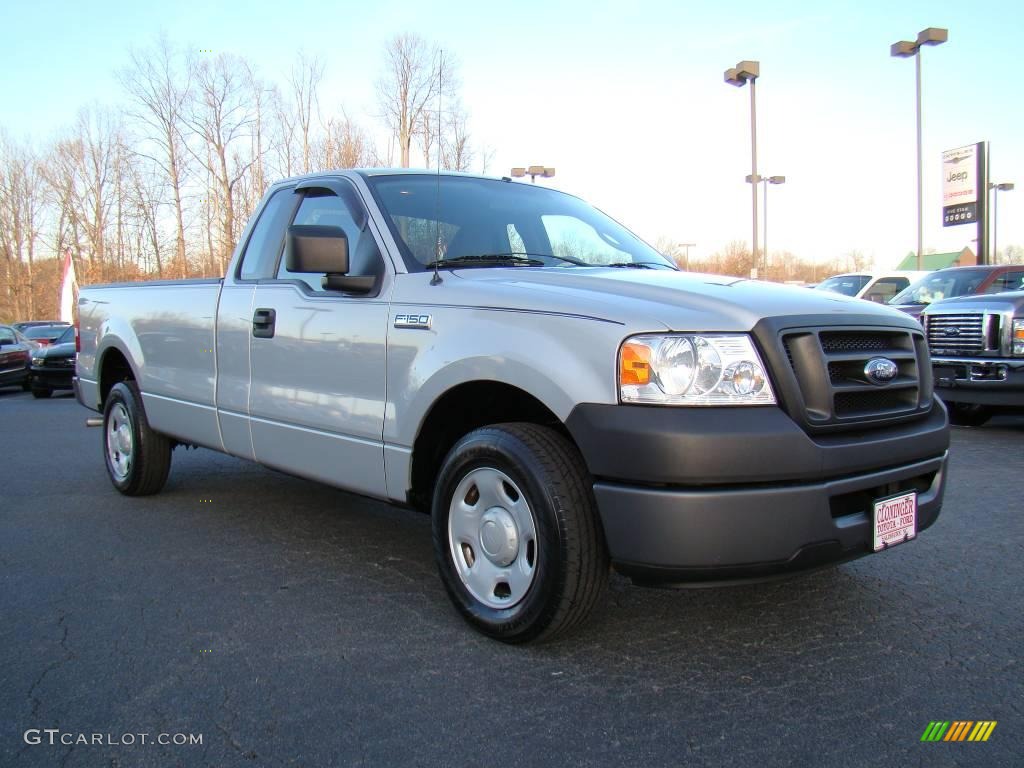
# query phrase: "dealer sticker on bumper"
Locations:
[[895, 520]]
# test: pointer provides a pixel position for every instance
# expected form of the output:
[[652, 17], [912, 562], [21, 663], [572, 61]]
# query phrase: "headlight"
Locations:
[[1018, 336], [692, 369], [37, 360]]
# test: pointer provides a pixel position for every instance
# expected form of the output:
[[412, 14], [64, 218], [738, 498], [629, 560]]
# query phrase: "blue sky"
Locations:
[[626, 100]]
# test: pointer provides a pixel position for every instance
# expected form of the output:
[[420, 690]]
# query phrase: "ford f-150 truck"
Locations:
[[977, 348], [552, 389]]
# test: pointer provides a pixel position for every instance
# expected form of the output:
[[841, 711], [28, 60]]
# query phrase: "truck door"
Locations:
[[318, 357], [234, 319]]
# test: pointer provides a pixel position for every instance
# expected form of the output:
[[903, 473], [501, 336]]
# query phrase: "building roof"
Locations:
[[930, 261]]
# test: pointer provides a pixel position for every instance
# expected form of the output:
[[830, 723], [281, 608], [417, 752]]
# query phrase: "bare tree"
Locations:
[[160, 92], [457, 155], [413, 73], [222, 117], [344, 145], [285, 148], [81, 173], [305, 83], [262, 97], [20, 225]]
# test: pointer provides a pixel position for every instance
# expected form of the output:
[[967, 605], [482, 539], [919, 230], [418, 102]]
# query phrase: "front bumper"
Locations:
[[997, 382], [52, 378], [719, 494]]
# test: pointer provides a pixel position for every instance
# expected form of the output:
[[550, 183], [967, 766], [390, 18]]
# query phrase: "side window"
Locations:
[[7, 336], [324, 208], [1008, 281], [267, 237], [886, 288]]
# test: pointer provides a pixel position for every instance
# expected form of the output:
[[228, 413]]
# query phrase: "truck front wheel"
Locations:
[[517, 538], [138, 459]]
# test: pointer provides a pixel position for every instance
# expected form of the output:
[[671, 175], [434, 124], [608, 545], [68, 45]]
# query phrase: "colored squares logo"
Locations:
[[958, 730]]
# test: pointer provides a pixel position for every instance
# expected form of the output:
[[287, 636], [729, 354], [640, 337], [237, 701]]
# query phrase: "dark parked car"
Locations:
[[15, 352], [44, 335], [955, 282], [54, 365]]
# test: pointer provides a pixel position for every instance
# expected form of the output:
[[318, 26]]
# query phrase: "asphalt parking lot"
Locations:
[[291, 624]]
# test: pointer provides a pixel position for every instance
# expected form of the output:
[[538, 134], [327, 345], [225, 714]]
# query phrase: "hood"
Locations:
[[55, 350], [914, 310], [680, 301], [1011, 301]]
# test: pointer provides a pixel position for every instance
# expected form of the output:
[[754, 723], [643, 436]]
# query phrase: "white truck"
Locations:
[[556, 393]]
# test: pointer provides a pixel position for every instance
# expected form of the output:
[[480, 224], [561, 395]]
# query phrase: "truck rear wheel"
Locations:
[[517, 538], [138, 459], [968, 414]]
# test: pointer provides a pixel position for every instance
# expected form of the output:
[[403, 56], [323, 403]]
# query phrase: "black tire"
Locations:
[[148, 453], [570, 569], [968, 414], [41, 392]]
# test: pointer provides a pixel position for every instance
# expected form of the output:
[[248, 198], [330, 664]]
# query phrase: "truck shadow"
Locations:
[[316, 538]]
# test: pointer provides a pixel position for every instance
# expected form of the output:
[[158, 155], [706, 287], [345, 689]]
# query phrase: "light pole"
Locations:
[[904, 49], [743, 72], [766, 180], [1004, 186], [533, 172], [686, 256]]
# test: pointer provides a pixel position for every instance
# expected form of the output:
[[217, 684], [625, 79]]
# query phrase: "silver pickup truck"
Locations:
[[977, 349], [553, 390]]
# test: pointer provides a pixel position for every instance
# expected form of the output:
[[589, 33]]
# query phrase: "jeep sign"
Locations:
[[960, 186]]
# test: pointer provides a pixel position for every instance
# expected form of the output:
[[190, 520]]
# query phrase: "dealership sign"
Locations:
[[960, 185]]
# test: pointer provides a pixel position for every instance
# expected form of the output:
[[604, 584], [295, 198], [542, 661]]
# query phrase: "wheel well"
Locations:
[[113, 369], [458, 412]]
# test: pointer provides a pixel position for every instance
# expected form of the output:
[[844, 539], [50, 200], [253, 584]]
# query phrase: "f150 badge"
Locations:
[[413, 321]]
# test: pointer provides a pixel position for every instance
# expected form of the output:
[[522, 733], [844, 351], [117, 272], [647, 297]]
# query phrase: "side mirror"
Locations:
[[322, 249], [315, 248]]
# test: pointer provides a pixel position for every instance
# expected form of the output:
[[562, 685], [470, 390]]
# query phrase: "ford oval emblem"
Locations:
[[880, 370]]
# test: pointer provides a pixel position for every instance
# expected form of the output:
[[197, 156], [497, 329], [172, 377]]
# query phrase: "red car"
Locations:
[[15, 358]]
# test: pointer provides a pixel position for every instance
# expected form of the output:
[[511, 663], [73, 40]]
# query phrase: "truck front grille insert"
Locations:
[[956, 334], [835, 391]]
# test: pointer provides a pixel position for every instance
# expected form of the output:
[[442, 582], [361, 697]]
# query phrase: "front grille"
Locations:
[[870, 403], [831, 371], [59, 362], [842, 341], [956, 334]]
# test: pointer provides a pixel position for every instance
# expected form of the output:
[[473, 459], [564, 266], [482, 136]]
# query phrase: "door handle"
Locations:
[[263, 323]]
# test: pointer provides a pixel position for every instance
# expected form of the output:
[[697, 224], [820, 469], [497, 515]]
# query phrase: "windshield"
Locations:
[[944, 284], [45, 331], [848, 285], [454, 217]]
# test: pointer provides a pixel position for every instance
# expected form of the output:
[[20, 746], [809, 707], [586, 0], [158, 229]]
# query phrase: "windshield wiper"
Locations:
[[635, 264], [486, 260], [502, 259]]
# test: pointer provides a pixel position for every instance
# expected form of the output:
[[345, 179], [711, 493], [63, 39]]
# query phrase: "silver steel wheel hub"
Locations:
[[120, 441], [492, 537], [499, 536]]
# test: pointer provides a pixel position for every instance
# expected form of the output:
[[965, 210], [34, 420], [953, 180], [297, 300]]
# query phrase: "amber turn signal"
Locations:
[[634, 364]]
